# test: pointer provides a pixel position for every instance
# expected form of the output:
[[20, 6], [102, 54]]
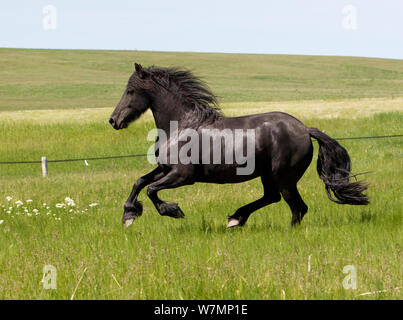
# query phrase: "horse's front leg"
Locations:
[[175, 178], [132, 207]]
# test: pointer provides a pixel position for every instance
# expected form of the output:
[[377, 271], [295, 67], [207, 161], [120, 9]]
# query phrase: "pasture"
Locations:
[[57, 103]]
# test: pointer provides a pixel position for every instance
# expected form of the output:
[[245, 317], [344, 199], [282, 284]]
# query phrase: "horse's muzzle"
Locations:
[[116, 125], [113, 123]]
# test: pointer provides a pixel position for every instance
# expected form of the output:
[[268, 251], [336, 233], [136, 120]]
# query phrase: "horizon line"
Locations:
[[205, 52]]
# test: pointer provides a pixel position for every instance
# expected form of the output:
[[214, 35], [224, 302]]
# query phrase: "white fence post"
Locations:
[[44, 166]]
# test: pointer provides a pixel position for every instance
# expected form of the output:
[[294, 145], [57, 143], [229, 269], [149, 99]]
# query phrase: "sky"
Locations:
[[368, 28]]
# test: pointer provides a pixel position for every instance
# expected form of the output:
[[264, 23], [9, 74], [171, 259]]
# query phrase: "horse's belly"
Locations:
[[224, 173]]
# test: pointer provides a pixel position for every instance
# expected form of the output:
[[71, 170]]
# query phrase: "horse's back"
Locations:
[[283, 143]]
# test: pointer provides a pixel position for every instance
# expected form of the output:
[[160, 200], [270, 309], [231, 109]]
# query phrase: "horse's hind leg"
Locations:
[[271, 195], [297, 205]]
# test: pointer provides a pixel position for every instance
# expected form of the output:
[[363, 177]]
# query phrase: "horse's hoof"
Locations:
[[180, 214], [232, 223], [131, 212], [128, 222], [171, 210]]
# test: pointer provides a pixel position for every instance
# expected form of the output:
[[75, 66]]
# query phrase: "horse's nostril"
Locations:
[[111, 121]]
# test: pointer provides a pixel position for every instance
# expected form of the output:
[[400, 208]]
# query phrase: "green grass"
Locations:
[[163, 258], [196, 257], [48, 79]]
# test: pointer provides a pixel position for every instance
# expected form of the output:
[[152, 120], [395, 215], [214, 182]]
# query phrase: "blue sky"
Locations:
[[316, 27]]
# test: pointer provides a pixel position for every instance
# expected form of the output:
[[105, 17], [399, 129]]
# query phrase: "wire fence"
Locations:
[[77, 159], [145, 154]]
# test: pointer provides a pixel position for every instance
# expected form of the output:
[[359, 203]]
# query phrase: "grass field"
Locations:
[[56, 103], [53, 79]]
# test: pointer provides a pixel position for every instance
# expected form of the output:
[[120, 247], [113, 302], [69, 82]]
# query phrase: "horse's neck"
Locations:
[[165, 112]]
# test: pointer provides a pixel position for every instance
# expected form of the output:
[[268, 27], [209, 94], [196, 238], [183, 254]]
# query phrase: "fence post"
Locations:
[[44, 166]]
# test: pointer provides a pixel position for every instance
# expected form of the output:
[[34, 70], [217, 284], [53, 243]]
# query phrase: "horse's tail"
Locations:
[[333, 168]]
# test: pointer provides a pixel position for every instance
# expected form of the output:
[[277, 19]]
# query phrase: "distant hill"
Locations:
[[49, 79]]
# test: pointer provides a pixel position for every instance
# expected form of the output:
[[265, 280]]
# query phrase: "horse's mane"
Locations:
[[190, 89]]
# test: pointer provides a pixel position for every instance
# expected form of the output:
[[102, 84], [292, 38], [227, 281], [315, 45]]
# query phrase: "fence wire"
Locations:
[[145, 154]]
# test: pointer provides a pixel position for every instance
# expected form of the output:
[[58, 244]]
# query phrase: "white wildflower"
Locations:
[[1, 221], [29, 200], [35, 210], [70, 202], [60, 205], [19, 203], [9, 198], [93, 204]]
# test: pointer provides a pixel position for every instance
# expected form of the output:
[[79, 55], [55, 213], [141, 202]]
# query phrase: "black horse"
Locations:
[[282, 147]]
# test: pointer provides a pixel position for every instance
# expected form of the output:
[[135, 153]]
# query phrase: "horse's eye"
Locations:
[[130, 91]]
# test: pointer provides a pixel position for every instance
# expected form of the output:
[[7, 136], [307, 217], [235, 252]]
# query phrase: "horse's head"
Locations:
[[135, 100]]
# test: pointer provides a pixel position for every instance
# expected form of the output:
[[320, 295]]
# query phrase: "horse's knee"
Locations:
[[150, 191], [138, 183]]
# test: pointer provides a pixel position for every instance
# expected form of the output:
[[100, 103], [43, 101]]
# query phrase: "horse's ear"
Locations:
[[139, 70]]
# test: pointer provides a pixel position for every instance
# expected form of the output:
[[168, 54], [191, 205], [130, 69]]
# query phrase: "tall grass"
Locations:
[[196, 257]]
